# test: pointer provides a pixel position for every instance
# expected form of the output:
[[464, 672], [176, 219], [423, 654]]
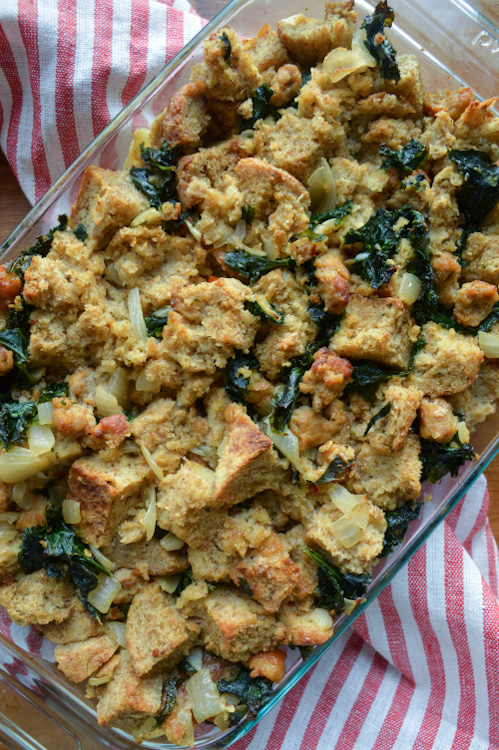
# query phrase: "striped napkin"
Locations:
[[420, 669]]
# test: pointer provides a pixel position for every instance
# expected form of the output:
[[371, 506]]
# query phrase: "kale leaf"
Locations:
[[337, 466], [405, 159], [265, 310], [172, 225], [367, 376], [15, 418], [262, 107], [381, 414], [54, 390], [56, 549], [333, 586], [157, 179], [17, 340], [252, 267], [227, 49], [397, 522], [170, 688], [378, 44], [161, 159], [439, 460], [185, 581], [336, 214], [253, 692], [248, 212], [237, 385], [492, 318], [479, 192], [41, 247], [80, 233], [156, 322]]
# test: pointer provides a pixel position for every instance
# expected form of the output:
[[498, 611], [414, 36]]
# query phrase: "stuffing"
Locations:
[[437, 421], [332, 282], [36, 599], [478, 401], [327, 378], [148, 558], [81, 659], [474, 302], [185, 119], [79, 626], [481, 258], [389, 433], [311, 428], [305, 628], [266, 50]]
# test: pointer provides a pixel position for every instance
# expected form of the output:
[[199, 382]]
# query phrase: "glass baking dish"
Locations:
[[457, 44]]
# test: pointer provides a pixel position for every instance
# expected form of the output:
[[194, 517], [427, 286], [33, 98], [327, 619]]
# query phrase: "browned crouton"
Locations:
[[448, 363], [390, 433], [36, 599], [452, 102], [311, 428], [105, 491], [285, 84], [6, 360], [157, 635], [184, 120], [107, 201], [181, 499], [148, 558], [479, 400], [81, 659], [269, 573], [128, 699], [305, 626], [9, 549], [308, 40], [481, 257], [474, 302], [332, 282], [248, 463], [376, 328], [446, 270], [36, 515], [79, 626], [266, 50], [294, 539], [327, 378], [111, 431], [437, 421], [72, 420]]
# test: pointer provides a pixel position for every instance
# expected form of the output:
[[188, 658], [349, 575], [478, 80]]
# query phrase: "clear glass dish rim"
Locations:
[[407, 551]]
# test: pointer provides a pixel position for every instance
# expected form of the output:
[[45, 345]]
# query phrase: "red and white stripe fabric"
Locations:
[[420, 669]]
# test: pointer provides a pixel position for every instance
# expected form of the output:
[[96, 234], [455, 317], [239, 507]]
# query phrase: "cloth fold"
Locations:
[[420, 668]]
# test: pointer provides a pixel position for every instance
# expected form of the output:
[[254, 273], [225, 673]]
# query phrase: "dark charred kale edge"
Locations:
[[80, 233], [262, 107], [397, 522], [173, 225], [367, 375], [157, 180], [170, 688], [248, 213], [405, 159], [383, 53], [381, 242], [383, 412], [57, 550], [155, 324], [253, 692], [337, 214], [227, 49], [237, 385], [255, 309], [16, 417], [253, 267], [337, 466], [333, 586], [479, 192], [41, 247], [439, 460]]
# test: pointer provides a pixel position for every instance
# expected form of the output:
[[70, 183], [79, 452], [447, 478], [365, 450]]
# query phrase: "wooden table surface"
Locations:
[[13, 206]]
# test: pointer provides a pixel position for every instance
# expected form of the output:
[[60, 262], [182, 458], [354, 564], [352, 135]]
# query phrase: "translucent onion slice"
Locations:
[[102, 596], [106, 403], [137, 316], [410, 288], [19, 464], [149, 519], [286, 442], [203, 695], [169, 583], [350, 605], [340, 62], [345, 503], [118, 630], [9, 517], [346, 532], [102, 559], [113, 275], [71, 511], [151, 462], [170, 542], [145, 385], [7, 533], [149, 730], [269, 248], [97, 681], [19, 496], [360, 516], [118, 386], [463, 433], [40, 439], [195, 232], [149, 216], [489, 344], [195, 658], [322, 188], [322, 618], [45, 413]]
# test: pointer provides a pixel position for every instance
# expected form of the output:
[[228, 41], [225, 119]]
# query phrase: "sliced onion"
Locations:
[[360, 515], [350, 605], [169, 583], [118, 386], [151, 462], [195, 658], [322, 618], [7, 533], [103, 595], [149, 730], [286, 442], [45, 413], [346, 532], [410, 288], [106, 403], [19, 464], [340, 62], [19, 495], [40, 439], [489, 344], [251, 250], [240, 230], [137, 316], [97, 681], [118, 630], [463, 433], [149, 216], [149, 519], [113, 274], [269, 248], [102, 559], [71, 511], [203, 695], [9, 517], [170, 542], [322, 188], [145, 385], [195, 232]]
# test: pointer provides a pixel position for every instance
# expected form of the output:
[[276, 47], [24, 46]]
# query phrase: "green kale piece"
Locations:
[[156, 322], [337, 466], [262, 107], [41, 247], [170, 688], [479, 192], [15, 418], [405, 159], [439, 460], [398, 521], [267, 312], [327, 323], [57, 550], [227, 49], [173, 225], [80, 233], [252, 267], [367, 376], [337, 214], [333, 586], [381, 414], [253, 692], [17, 340], [157, 179], [248, 212], [162, 159], [492, 318], [54, 390], [378, 44], [237, 385]]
